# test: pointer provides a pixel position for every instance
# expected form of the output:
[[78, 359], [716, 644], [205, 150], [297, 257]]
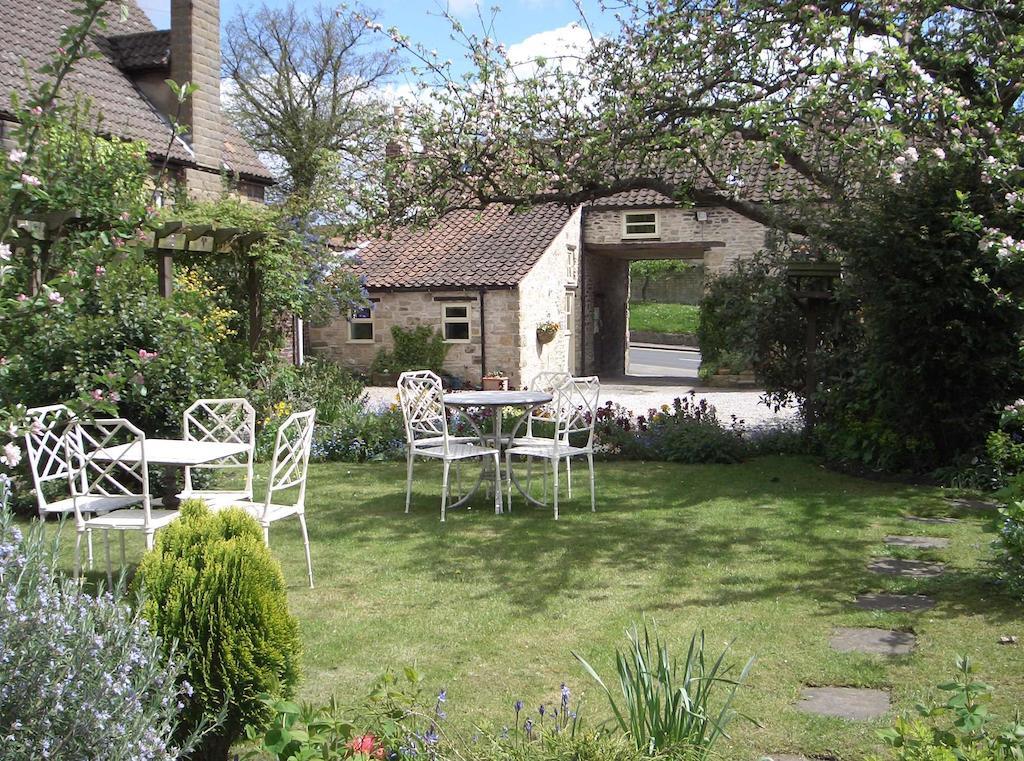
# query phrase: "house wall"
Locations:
[[742, 237], [409, 309], [542, 298]]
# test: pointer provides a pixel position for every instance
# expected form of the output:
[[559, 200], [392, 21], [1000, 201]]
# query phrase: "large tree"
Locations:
[[307, 88], [887, 133]]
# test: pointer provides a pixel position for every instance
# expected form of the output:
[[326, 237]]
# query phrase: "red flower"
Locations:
[[366, 744]]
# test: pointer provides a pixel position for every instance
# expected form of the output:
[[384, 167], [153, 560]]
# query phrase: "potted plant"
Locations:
[[546, 331], [495, 380]]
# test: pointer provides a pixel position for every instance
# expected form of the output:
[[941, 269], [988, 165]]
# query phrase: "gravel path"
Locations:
[[640, 397]]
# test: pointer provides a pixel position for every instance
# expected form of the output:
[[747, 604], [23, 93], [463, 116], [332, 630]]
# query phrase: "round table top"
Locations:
[[496, 398]]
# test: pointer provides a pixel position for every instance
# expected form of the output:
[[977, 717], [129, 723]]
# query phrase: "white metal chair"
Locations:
[[575, 411], [111, 452], [427, 435], [222, 420], [287, 471], [547, 381], [50, 464]]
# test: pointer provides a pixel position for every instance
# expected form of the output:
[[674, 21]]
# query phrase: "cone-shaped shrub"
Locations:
[[212, 586]]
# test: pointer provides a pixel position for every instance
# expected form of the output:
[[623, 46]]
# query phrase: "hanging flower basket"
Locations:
[[546, 332]]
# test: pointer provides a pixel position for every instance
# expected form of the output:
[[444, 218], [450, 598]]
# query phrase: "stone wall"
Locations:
[[742, 237], [409, 309], [542, 298]]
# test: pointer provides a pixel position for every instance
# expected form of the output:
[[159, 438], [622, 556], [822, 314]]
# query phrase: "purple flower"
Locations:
[[541, 710], [565, 695], [518, 706]]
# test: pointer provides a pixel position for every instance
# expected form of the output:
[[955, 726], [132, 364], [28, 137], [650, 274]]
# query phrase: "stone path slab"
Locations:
[[785, 757], [844, 702], [894, 603], [873, 641], [974, 504], [917, 542], [911, 569], [933, 521]]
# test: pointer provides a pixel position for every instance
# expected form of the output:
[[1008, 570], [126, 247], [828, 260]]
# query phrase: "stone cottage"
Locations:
[[127, 88], [486, 280]]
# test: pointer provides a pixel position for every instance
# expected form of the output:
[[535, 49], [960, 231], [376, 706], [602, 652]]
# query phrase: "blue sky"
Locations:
[[517, 21]]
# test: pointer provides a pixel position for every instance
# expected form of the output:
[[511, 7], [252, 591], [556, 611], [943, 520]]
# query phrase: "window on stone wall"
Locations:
[[572, 264], [455, 323], [640, 224], [360, 325]]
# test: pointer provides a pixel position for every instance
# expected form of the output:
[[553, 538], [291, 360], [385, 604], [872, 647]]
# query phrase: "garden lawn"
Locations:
[[767, 555], [664, 318]]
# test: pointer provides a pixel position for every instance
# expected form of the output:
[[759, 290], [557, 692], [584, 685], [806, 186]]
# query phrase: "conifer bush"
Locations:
[[211, 585]]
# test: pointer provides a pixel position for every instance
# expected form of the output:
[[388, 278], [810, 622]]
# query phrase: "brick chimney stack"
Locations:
[[195, 58]]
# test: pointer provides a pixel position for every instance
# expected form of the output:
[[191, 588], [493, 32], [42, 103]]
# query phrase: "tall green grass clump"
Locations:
[[670, 706], [211, 585]]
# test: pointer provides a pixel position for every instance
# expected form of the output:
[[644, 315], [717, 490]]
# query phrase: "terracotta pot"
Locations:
[[495, 384]]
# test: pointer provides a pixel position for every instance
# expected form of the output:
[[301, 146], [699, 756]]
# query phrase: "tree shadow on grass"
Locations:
[[783, 514]]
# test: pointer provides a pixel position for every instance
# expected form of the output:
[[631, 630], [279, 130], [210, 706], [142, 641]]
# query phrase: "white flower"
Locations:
[[911, 154], [1012, 198], [31, 179], [5, 251], [900, 160], [897, 178], [939, 154], [55, 297], [17, 156], [11, 456]]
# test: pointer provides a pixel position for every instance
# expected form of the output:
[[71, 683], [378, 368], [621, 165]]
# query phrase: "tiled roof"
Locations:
[[495, 247], [30, 30], [761, 182], [142, 50]]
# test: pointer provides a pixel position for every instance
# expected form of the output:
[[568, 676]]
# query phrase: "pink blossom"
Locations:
[[897, 178], [22, 297], [11, 456], [5, 252], [17, 155], [114, 397], [939, 153], [55, 297], [100, 270], [36, 111], [31, 179], [72, 273], [145, 356], [97, 394], [36, 427]]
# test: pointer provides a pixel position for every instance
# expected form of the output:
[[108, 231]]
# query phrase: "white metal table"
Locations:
[[496, 401], [173, 454]]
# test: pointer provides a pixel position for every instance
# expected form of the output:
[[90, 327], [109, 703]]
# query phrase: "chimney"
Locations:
[[397, 147], [195, 58]]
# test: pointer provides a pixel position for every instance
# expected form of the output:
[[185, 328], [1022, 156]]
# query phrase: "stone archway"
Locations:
[[605, 292]]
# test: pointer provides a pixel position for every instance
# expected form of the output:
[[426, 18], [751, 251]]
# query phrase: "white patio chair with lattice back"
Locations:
[[427, 435], [52, 470], [111, 452], [575, 410], [546, 382], [230, 421], [288, 470]]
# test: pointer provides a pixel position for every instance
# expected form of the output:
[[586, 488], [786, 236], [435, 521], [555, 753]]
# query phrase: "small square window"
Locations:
[[455, 323], [360, 325], [640, 224]]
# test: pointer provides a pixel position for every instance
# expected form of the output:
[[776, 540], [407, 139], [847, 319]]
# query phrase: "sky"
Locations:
[[530, 24]]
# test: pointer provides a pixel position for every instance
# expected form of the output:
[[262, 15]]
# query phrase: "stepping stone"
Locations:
[[918, 542], [894, 603], [974, 504], [920, 519], [911, 569], [875, 641], [785, 757], [844, 702]]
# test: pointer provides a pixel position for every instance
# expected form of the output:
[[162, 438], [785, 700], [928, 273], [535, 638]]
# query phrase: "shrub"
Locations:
[[688, 431], [669, 706], [1010, 548], [419, 348], [318, 383], [361, 434], [971, 735], [80, 676], [212, 585]]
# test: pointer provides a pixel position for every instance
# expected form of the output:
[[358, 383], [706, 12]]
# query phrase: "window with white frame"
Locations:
[[640, 224], [455, 323], [572, 264], [360, 325]]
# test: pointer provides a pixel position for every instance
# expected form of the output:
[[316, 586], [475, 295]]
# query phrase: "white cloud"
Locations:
[[564, 45]]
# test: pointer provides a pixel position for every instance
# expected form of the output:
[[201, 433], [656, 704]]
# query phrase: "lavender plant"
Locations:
[[80, 676]]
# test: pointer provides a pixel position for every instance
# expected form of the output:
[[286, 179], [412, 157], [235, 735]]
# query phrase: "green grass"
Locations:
[[664, 318], [767, 555]]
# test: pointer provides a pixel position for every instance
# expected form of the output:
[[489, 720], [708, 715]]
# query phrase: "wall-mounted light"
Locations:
[[702, 216]]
